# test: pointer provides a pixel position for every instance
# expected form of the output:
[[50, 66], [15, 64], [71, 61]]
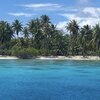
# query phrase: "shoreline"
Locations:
[[8, 57], [56, 57], [68, 58]]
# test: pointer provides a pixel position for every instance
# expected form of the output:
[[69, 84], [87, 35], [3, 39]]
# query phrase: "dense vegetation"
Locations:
[[41, 37]]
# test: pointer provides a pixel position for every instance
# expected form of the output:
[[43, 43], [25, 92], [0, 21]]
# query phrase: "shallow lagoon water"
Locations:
[[49, 80]]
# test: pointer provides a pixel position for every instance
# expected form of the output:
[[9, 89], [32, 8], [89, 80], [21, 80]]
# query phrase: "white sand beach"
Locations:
[[69, 58], [57, 57], [8, 57]]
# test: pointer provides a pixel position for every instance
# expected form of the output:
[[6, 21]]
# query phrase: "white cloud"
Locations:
[[21, 14], [61, 25], [69, 16], [73, 16], [49, 7], [87, 15], [82, 21], [42, 6], [93, 11], [90, 21]]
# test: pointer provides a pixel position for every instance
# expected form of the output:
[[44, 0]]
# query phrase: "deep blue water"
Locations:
[[49, 80]]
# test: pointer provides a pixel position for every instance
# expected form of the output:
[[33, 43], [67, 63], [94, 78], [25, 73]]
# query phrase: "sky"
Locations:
[[59, 11]]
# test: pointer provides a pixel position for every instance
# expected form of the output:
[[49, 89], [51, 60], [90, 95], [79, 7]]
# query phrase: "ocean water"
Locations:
[[49, 80]]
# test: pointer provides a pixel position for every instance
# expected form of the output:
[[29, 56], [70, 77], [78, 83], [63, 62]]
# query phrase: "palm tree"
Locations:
[[26, 36], [96, 36], [38, 35], [25, 32], [6, 32], [45, 21], [32, 27], [73, 28], [46, 28], [86, 34], [17, 27]]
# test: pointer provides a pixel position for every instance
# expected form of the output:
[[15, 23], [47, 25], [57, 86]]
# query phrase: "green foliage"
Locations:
[[98, 53], [5, 52], [25, 52], [41, 37], [6, 32]]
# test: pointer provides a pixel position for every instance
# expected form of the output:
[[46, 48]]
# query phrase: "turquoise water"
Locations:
[[49, 80]]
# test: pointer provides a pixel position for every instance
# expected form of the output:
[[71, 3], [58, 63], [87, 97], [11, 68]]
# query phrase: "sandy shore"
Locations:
[[70, 58], [57, 57], [8, 57]]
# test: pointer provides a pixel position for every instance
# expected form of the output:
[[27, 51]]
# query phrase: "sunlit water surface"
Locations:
[[49, 80]]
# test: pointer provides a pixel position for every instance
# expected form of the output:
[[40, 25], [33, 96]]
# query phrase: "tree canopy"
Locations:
[[41, 37]]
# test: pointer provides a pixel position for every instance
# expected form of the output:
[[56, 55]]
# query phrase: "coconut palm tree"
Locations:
[[6, 32], [96, 36], [46, 25], [73, 28], [46, 28], [45, 19], [32, 27], [86, 33], [26, 36], [17, 27], [25, 32]]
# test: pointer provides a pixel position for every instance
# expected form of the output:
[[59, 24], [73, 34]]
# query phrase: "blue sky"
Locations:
[[60, 11]]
